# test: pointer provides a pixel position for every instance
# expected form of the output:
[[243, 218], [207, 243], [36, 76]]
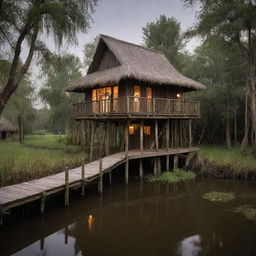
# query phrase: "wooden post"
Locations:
[[66, 187], [42, 206], [127, 104], [141, 136], [107, 145], [66, 234], [156, 134], [110, 177], [42, 243], [126, 154], [155, 166], [141, 168], [175, 161], [100, 184], [190, 133], [167, 134], [159, 166], [83, 178], [167, 163], [92, 139]]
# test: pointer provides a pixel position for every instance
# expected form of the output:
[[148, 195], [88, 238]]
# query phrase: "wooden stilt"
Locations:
[[100, 184], [83, 179], [92, 139], [141, 168], [42, 206], [110, 177], [66, 187], [155, 166], [141, 136], [126, 153], [42, 243], [167, 134], [107, 141], [167, 163], [190, 133], [159, 166], [156, 134], [175, 161], [66, 234]]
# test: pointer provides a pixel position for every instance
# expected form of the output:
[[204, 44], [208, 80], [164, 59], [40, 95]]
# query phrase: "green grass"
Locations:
[[215, 196], [232, 161], [177, 175], [249, 211], [39, 156]]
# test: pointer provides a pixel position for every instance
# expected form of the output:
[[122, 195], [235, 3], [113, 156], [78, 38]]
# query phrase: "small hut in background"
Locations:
[[7, 129]]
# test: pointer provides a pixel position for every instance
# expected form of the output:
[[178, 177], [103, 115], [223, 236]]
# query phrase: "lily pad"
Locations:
[[249, 211], [215, 196]]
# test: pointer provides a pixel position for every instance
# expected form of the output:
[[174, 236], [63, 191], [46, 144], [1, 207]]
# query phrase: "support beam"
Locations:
[[100, 183], [92, 139], [167, 134], [156, 134], [83, 179], [126, 153], [159, 166], [107, 141], [110, 177], [190, 133], [155, 166], [66, 186], [175, 161], [141, 136], [141, 168], [167, 163], [42, 206]]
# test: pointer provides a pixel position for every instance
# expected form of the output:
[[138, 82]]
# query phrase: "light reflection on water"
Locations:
[[143, 219]]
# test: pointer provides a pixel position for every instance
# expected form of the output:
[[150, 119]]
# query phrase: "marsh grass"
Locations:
[[219, 162], [249, 211], [37, 157], [177, 175], [215, 196]]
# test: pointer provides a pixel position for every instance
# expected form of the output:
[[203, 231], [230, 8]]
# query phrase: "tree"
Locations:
[[234, 23], [164, 35], [59, 70], [89, 50], [25, 20]]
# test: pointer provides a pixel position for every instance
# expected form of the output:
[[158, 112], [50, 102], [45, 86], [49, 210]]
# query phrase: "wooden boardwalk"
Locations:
[[22, 193]]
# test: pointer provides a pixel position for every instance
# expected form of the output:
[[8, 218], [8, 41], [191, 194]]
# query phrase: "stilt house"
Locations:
[[139, 96]]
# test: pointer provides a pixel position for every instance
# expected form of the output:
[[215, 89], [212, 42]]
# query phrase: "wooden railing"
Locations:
[[137, 106]]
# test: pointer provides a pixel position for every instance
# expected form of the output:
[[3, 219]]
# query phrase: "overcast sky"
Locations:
[[124, 19]]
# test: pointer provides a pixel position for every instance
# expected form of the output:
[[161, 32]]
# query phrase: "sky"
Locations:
[[124, 19]]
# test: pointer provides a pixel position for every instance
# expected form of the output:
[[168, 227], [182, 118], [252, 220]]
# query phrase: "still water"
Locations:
[[141, 219]]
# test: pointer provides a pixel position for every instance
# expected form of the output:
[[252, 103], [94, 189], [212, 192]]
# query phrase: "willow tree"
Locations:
[[29, 21], [233, 22]]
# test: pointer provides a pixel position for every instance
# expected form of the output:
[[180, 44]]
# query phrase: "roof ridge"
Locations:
[[133, 44]]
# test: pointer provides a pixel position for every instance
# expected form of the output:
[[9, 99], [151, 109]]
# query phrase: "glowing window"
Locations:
[[136, 91], [147, 130], [115, 92], [149, 92], [131, 129], [94, 95]]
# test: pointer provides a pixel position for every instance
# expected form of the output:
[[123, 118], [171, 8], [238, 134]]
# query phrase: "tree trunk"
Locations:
[[21, 132]]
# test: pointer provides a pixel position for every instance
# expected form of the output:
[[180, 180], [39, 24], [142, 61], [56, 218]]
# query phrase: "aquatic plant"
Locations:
[[177, 175], [249, 211], [215, 196]]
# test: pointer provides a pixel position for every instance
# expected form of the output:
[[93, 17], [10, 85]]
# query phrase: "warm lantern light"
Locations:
[[147, 130], [178, 95], [131, 129]]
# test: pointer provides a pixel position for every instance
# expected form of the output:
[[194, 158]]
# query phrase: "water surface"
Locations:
[[141, 219]]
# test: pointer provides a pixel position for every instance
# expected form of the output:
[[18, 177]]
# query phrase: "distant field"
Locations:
[[40, 155]]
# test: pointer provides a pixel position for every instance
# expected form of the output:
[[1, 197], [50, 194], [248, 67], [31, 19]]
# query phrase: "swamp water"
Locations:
[[141, 219]]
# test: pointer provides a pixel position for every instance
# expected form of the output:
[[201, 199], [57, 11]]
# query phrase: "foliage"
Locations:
[[26, 20], [37, 157], [89, 50], [164, 35], [60, 70], [249, 211], [177, 175], [215, 196]]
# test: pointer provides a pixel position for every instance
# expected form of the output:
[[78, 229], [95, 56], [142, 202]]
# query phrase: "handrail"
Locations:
[[139, 105]]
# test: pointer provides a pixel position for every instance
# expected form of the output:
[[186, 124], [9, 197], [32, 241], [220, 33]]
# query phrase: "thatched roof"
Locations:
[[6, 125], [115, 60]]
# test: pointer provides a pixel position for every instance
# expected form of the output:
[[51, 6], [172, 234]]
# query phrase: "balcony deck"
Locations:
[[136, 107]]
